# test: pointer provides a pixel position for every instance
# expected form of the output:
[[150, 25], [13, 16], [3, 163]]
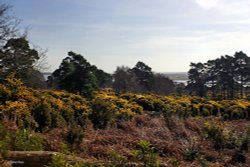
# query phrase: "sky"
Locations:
[[164, 34]]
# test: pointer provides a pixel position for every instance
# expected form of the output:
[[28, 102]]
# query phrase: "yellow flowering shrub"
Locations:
[[46, 109], [40, 109], [185, 106], [217, 133], [122, 105]]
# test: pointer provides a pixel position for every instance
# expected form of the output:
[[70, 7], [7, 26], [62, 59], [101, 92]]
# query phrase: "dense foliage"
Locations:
[[17, 57], [41, 110], [77, 75], [141, 79], [224, 77]]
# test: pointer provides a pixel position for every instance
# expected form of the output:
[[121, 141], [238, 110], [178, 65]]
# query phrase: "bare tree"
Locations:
[[8, 24], [41, 64]]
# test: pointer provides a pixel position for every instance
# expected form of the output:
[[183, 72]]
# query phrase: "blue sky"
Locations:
[[165, 34]]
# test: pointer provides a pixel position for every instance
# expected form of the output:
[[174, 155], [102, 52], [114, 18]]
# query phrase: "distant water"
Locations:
[[46, 75], [175, 78], [181, 81]]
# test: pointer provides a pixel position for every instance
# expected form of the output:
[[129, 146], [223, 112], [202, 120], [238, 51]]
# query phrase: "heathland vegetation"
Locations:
[[134, 117]]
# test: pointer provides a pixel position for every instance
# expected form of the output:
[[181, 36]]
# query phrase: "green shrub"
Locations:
[[245, 141], [190, 151], [169, 119], [237, 113], [74, 135], [158, 105], [206, 109], [203, 162], [57, 120], [238, 157], [103, 113], [175, 163], [147, 104], [225, 116], [42, 115], [146, 153], [4, 141], [23, 140], [83, 164], [232, 141], [216, 135], [116, 159], [58, 161], [195, 110]]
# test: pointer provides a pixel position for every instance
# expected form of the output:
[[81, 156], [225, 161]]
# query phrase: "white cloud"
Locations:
[[234, 8], [207, 4], [206, 44]]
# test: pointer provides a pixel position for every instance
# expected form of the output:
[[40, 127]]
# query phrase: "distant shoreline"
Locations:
[[177, 77]]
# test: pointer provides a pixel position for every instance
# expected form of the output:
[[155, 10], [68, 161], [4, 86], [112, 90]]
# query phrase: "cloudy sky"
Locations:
[[165, 34]]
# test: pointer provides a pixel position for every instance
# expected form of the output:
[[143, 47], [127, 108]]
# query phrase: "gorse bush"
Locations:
[[110, 110], [102, 114], [185, 106], [26, 113], [42, 115], [41, 110], [216, 133]]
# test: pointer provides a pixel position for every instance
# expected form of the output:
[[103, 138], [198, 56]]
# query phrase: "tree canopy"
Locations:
[[77, 75], [226, 76], [16, 54], [141, 79], [19, 58]]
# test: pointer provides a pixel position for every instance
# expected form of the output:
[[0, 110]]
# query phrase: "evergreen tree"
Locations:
[[19, 58], [197, 79], [104, 80], [144, 76], [225, 75], [242, 69], [125, 80], [75, 74], [162, 85]]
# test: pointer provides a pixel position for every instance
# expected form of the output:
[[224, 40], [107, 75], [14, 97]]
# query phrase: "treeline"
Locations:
[[224, 77], [141, 79], [77, 75]]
